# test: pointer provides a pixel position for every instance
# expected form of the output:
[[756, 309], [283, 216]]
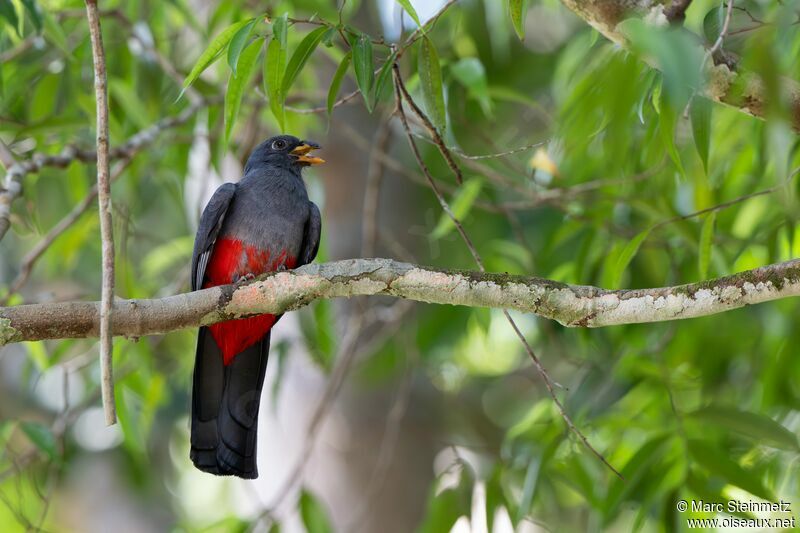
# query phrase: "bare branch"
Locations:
[[104, 201]]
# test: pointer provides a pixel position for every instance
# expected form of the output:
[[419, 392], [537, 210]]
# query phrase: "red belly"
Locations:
[[230, 260]]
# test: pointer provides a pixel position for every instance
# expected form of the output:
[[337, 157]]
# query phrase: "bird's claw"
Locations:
[[281, 268], [244, 278]]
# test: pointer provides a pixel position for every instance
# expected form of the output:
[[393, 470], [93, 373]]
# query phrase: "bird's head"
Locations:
[[284, 151]]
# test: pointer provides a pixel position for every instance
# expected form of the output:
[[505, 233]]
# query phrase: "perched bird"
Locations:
[[262, 224]]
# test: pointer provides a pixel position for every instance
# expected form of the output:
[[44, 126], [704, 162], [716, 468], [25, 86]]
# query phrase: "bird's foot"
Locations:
[[281, 268], [243, 279]]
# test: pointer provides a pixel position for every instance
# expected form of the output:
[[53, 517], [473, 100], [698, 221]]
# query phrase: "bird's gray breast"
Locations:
[[270, 213]]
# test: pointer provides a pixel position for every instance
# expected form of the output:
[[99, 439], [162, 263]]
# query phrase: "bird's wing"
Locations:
[[210, 224], [308, 251]]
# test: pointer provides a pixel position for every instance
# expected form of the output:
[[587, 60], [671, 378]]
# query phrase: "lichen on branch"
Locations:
[[570, 305]]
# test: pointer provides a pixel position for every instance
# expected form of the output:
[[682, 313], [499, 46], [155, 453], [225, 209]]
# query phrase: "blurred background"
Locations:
[[380, 414]]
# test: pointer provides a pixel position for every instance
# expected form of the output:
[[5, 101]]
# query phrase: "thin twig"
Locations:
[[104, 200], [725, 25], [549, 384], [434, 133], [324, 109], [729, 203], [419, 32], [513, 151]]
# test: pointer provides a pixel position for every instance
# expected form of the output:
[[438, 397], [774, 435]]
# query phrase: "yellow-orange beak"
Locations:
[[301, 153]]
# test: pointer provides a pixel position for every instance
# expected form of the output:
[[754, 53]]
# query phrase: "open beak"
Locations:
[[301, 153]]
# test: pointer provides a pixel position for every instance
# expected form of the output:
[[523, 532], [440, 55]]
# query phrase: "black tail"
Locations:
[[225, 402]]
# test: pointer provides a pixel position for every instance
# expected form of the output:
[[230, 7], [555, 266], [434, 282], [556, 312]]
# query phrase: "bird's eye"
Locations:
[[279, 145]]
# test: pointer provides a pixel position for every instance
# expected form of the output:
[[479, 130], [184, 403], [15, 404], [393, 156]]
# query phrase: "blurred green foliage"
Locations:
[[654, 186]]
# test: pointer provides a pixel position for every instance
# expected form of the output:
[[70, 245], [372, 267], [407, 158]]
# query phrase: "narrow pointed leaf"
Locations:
[[410, 10], [8, 12], [336, 82], [718, 463], [299, 58], [383, 76], [212, 52], [41, 437], [626, 256], [237, 84], [757, 427], [517, 10], [36, 16], [706, 241], [462, 204], [238, 43], [279, 29], [430, 76], [667, 121], [313, 514], [700, 115], [274, 65], [363, 66], [54, 34]]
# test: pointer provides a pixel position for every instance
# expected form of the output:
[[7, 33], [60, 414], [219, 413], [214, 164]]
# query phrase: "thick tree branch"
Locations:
[[570, 305], [727, 84]]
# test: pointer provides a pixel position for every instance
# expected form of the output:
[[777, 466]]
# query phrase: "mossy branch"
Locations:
[[570, 305]]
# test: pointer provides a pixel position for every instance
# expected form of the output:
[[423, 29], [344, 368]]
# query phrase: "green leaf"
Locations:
[[384, 74], [706, 241], [54, 34], [41, 437], [626, 256], [430, 75], [299, 58], [36, 16], [635, 470], [128, 99], [667, 120], [8, 12], [336, 82], [465, 197], [716, 462], [517, 10], [363, 66], [700, 115], [38, 354], [274, 64], [237, 83], [674, 52], [410, 10], [237, 44], [471, 74], [279, 29], [160, 259], [314, 516], [757, 427], [444, 508], [212, 52]]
